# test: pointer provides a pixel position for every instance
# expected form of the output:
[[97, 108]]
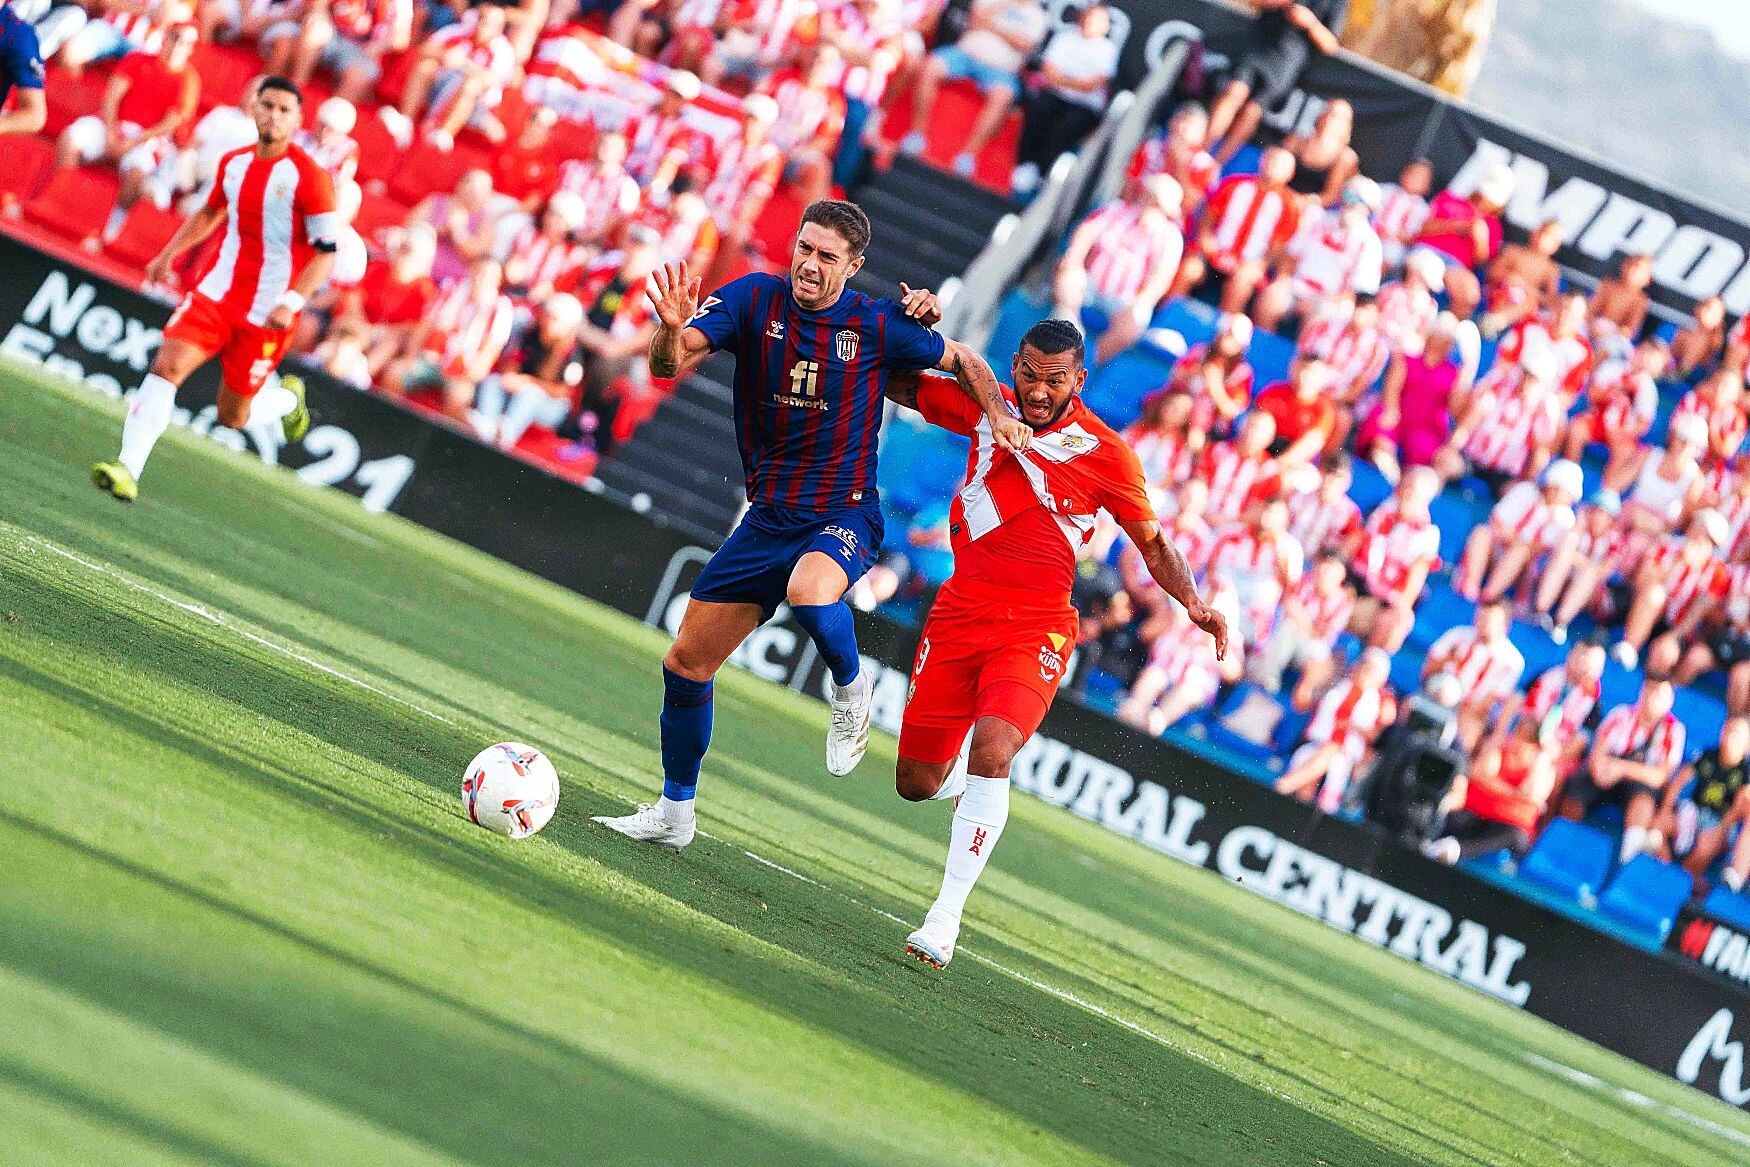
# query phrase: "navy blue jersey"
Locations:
[[21, 62], [809, 385]]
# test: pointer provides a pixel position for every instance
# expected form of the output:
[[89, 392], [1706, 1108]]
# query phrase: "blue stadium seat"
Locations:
[[1456, 516], [1368, 488], [1702, 715], [1570, 858], [1646, 894], [1406, 669], [1728, 907], [1269, 356], [1439, 610]]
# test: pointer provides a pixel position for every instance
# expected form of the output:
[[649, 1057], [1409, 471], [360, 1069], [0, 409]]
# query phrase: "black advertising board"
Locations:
[[1662, 1009]]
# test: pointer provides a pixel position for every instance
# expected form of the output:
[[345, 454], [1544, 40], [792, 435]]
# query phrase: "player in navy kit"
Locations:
[[21, 69], [811, 367]]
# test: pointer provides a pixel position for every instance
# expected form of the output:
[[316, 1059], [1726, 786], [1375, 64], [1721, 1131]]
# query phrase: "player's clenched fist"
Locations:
[[674, 294], [1212, 622], [1011, 433]]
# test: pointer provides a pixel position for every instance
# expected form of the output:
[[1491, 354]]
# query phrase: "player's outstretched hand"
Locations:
[[1011, 433], [1212, 622], [158, 271], [281, 318], [920, 304], [674, 294]]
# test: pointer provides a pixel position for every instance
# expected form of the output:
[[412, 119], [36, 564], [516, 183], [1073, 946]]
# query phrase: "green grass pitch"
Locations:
[[244, 921]]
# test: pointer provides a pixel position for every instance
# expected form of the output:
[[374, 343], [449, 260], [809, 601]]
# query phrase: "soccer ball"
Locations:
[[510, 789]]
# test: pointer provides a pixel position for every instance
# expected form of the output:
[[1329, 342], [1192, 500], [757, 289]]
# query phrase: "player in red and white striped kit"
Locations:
[[1487, 666], [277, 208]]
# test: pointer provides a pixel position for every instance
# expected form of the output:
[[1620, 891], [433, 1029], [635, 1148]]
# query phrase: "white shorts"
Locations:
[[87, 139]]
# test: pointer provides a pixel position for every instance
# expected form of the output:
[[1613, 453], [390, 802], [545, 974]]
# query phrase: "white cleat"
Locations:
[[849, 735], [647, 825], [934, 942]]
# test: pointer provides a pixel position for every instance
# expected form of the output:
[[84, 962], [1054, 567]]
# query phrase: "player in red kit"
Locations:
[[276, 206], [1002, 629]]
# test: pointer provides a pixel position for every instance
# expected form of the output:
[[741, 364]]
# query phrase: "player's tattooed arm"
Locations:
[[1166, 563], [979, 383], [674, 295]]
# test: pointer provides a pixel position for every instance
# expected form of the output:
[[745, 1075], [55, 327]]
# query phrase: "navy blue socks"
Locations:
[[686, 733], [834, 632]]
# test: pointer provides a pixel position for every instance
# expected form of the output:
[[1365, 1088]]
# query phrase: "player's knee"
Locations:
[[917, 781], [233, 413], [684, 661]]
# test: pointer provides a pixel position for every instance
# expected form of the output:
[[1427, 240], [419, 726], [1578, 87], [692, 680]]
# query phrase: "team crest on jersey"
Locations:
[[845, 344], [775, 330]]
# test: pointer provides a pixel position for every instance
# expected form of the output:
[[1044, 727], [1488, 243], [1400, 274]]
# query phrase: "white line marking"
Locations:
[[215, 618], [1596, 1083]]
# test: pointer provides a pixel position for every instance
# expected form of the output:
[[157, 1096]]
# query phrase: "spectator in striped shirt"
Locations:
[[1315, 611], [1180, 149], [1341, 734], [471, 324], [1321, 515], [1675, 587], [1590, 556], [1403, 209], [1398, 548], [1121, 262], [1510, 423], [1530, 521], [1700, 344], [350, 38], [1217, 376], [1724, 642], [1621, 400], [1182, 674], [1569, 691], [1247, 225], [1488, 667], [1634, 754], [1338, 254]]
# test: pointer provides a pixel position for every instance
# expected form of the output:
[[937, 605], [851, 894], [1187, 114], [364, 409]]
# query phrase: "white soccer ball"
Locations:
[[510, 789]]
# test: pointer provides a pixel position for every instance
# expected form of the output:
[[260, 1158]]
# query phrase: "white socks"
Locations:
[[148, 417], [954, 785], [978, 824], [675, 813]]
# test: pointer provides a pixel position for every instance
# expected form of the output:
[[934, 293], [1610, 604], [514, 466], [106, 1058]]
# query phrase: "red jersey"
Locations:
[[386, 300], [1357, 356], [1236, 480], [276, 210], [538, 260], [1401, 214], [745, 178], [373, 21], [1249, 219], [1622, 399], [1260, 569], [1021, 519], [608, 196], [154, 92], [1351, 715], [1296, 418]]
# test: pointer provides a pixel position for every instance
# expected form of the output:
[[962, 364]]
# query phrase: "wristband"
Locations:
[[292, 300]]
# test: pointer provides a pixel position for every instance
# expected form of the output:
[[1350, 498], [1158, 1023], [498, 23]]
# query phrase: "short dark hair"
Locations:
[[284, 84], [846, 218], [1049, 337]]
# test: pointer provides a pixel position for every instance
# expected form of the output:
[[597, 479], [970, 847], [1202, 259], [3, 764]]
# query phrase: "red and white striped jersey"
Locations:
[[1518, 416], [883, 43], [468, 332], [144, 28], [1337, 255], [1392, 547], [1328, 612], [1401, 214], [1188, 375], [1130, 245], [1182, 653], [1552, 690], [1248, 220], [1167, 458], [654, 136], [1236, 480], [1194, 538], [746, 175], [1021, 518], [1573, 353], [1689, 579], [1621, 397], [608, 196], [537, 260], [276, 210], [496, 56], [1260, 569], [805, 111], [339, 156], [1406, 315], [373, 21], [1522, 516], [568, 76], [1321, 524], [1196, 174], [1735, 509], [1357, 356], [1625, 735], [1351, 715], [1610, 548], [1726, 425], [1485, 671]]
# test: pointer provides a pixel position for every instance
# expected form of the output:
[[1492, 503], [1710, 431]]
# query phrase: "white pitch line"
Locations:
[[215, 618], [1594, 1082]]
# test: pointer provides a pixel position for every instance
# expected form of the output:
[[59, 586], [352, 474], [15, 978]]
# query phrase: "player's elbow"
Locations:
[[33, 112]]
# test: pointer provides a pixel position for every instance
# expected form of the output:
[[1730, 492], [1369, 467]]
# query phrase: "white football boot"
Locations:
[[647, 825], [934, 942], [848, 736]]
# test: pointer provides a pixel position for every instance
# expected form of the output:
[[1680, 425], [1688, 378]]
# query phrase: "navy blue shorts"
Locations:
[[754, 564]]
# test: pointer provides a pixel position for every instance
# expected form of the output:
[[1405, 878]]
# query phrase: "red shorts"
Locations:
[[986, 652], [247, 352]]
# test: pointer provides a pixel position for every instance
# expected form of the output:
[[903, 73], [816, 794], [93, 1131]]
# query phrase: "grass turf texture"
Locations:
[[243, 919]]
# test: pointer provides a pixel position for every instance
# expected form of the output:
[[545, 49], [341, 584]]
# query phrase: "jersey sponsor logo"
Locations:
[[845, 344], [775, 330], [847, 540], [1051, 656], [804, 387], [1065, 445]]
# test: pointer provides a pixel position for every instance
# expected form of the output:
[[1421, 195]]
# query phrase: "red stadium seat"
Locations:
[[71, 98], [423, 170], [144, 234], [379, 156], [75, 203], [224, 71], [957, 105], [376, 212], [24, 163]]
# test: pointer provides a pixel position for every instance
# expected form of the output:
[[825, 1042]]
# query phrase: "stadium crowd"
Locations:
[[514, 172]]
